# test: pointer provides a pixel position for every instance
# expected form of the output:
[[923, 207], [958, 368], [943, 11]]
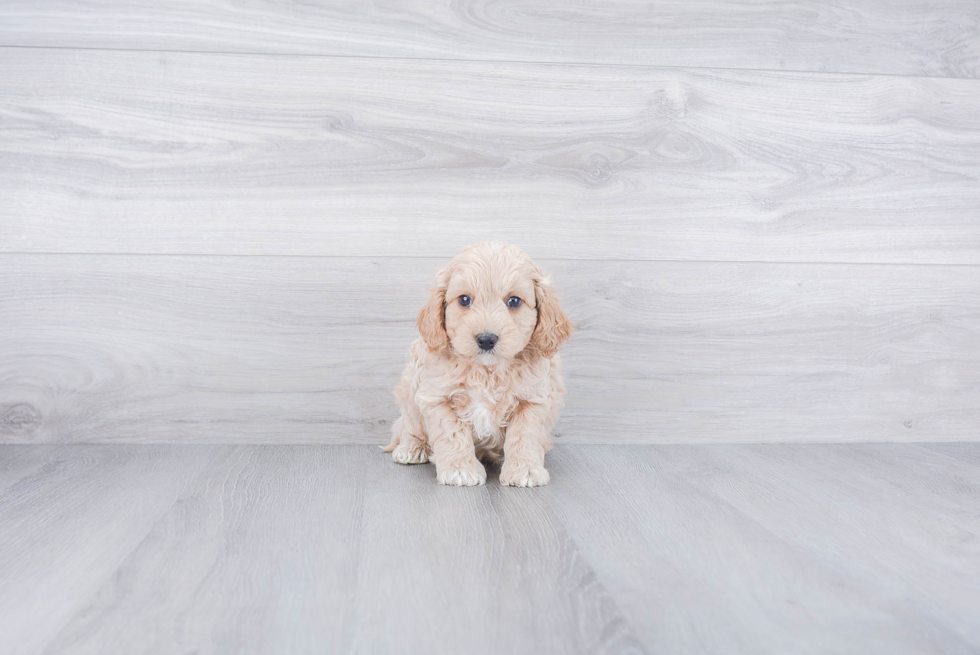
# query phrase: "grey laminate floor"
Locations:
[[844, 548]]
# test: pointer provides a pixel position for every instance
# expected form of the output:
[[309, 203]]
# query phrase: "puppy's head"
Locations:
[[491, 303]]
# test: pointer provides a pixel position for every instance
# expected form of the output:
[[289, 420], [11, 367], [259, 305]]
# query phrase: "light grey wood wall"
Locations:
[[227, 349], [912, 37], [151, 152], [230, 244]]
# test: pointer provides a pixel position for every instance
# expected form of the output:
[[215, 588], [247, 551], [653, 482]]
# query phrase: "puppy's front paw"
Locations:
[[524, 475], [466, 473], [414, 452]]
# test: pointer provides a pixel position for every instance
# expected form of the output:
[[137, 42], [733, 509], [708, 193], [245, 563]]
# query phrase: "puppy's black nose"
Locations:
[[486, 341]]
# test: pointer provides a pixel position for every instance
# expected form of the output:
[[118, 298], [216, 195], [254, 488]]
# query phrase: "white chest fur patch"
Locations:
[[484, 423]]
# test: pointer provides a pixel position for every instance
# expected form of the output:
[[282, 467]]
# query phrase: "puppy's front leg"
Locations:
[[528, 438], [452, 446]]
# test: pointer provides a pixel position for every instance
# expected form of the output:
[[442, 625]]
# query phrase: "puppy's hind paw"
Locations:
[[524, 475], [410, 453], [462, 474]]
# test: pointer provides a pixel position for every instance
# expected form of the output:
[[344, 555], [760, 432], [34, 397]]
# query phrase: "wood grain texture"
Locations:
[[258, 555], [148, 152], [780, 548], [18, 462], [476, 570], [279, 349], [968, 452], [68, 525], [860, 549], [339, 550], [920, 37], [914, 500]]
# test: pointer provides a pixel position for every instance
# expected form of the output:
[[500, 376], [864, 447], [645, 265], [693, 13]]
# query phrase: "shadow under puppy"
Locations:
[[483, 381]]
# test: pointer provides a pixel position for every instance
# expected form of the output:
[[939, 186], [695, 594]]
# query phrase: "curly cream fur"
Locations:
[[460, 404]]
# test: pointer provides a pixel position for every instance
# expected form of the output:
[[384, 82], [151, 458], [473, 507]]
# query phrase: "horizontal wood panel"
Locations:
[[279, 349], [135, 152], [921, 37]]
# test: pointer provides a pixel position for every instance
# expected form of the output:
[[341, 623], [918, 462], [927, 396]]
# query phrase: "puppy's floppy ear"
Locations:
[[432, 320], [553, 328]]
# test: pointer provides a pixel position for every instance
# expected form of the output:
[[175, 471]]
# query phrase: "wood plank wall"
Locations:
[[217, 223]]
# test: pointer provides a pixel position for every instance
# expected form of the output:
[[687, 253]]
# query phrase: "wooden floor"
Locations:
[[848, 548]]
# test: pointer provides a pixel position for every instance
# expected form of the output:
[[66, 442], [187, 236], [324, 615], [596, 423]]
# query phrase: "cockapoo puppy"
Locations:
[[483, 381]]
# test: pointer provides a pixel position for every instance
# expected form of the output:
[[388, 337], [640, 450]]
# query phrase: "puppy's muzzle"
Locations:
[[486, 341]]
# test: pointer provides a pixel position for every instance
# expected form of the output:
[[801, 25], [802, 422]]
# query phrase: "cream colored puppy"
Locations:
[[483, 381]]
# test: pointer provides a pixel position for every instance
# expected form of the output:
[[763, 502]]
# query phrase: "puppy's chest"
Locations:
[[487, 412]]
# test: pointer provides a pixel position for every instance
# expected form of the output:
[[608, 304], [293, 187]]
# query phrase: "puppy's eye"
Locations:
[[514, 302], [465, 301]]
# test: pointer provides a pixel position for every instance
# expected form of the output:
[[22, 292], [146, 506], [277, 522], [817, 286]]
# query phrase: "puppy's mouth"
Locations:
[[488, 357]]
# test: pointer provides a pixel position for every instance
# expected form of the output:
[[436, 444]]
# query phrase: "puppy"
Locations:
[[483, 381]]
